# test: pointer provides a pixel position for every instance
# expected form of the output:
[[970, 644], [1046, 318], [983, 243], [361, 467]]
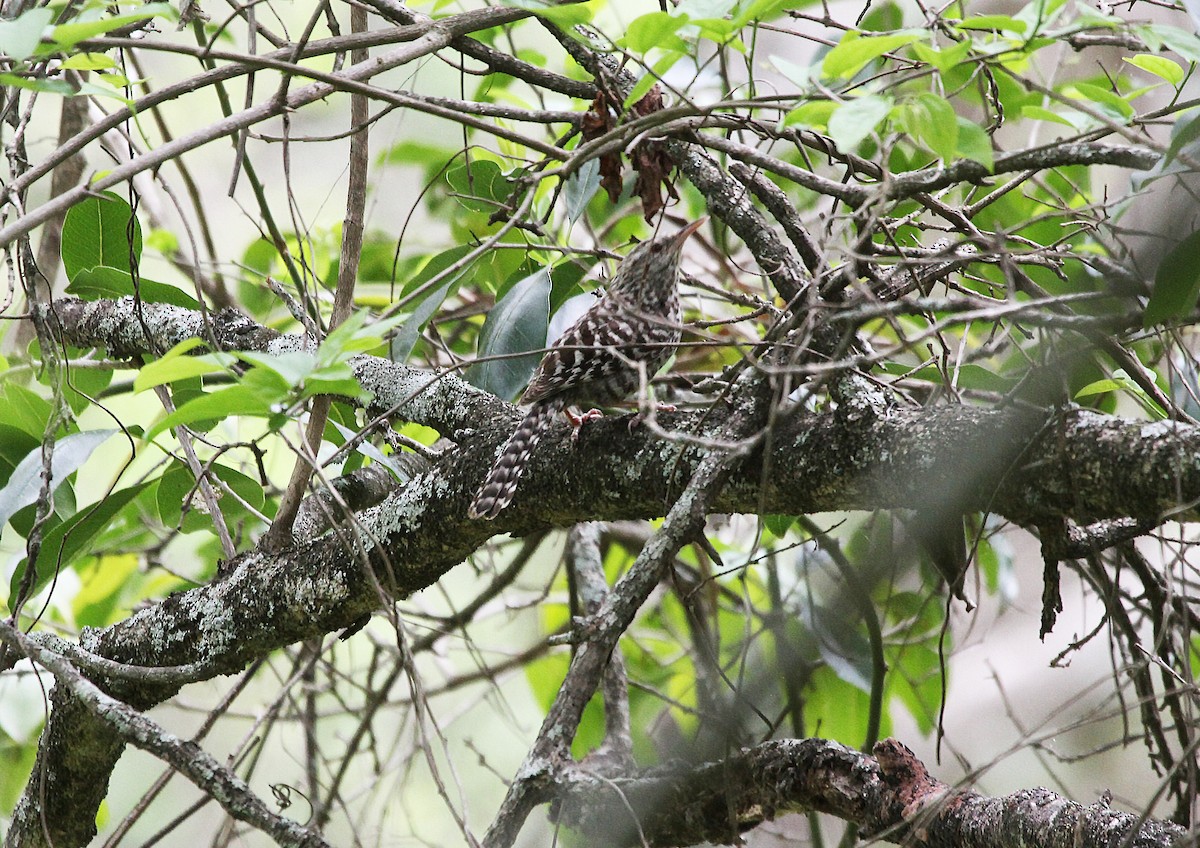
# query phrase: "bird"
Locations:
[[621, 341]]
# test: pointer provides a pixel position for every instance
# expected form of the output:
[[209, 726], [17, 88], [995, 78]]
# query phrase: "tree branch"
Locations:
[[188, 758], [890, 796], [1025, 463], [439, 34]]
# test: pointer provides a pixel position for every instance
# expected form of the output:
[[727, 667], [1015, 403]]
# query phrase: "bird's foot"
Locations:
[[577, 421]]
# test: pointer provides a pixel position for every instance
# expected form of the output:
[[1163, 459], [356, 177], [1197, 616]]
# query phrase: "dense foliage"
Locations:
[[937, 351]]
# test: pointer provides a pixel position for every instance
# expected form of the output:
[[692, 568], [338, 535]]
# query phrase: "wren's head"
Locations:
[[648, 275]]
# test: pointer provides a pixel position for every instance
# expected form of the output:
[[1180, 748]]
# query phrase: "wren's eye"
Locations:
[[656, 247]]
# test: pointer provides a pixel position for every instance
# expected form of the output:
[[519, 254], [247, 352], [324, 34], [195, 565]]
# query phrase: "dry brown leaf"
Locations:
[[648, 158]]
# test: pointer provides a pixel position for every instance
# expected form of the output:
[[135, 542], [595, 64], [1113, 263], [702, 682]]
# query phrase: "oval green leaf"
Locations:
[[1160, 66], [854, 51], [97, 231], [516, 324], [854, 121], [1176, 285]]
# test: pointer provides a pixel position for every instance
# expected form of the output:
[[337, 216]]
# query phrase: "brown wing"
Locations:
[[591, 360]]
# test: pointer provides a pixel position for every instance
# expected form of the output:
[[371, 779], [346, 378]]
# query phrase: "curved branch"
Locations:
[[890, 795]]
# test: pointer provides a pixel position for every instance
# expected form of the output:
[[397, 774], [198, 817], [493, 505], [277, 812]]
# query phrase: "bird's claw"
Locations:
[[577, 421]]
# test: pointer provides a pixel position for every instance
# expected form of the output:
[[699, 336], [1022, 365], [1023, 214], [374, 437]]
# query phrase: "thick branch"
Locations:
[[889, 795], [1026, 464], [441, 401]]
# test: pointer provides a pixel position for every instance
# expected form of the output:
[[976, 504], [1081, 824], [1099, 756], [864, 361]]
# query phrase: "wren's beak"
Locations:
[[686, 233]]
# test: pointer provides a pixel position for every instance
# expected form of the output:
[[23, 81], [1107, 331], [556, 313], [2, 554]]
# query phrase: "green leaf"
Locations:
[[436, 265], [1104, 97], [479, 185], [855, 51], [172, 367], [974, 143], [931, 119], [778, 524], [73, 537], [814, 114], [993, 23], [515, 325], [916, 675], [96, 231], [564, 280], [1088, 18], [883, 17], [1039, 113], [763, 10], [417, 152], [327, 384], [163, 241], [854, 121], [1099, 387], [1135, 93], [70, 34], [49, 86], [715, 29], [242, 399], [292, 368], [565, 14], [15, 445], [1176, 285], [19, 37], [260, 256], [838, 710], [1184, 43], [581, 188], [1160, 66], [656, 29], [25, 482], [355, 335], [82, 387], [103, 580], [89, 62], [1121, 381], [177, 487], [117, 81], [25, 410], [944, 60], [103, 282], [405, 338], [642, 87], [1182, 134], [800, 75], [1039, 14], [706, 8]]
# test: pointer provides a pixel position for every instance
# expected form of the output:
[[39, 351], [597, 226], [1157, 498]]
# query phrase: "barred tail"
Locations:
[[501, 483]]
